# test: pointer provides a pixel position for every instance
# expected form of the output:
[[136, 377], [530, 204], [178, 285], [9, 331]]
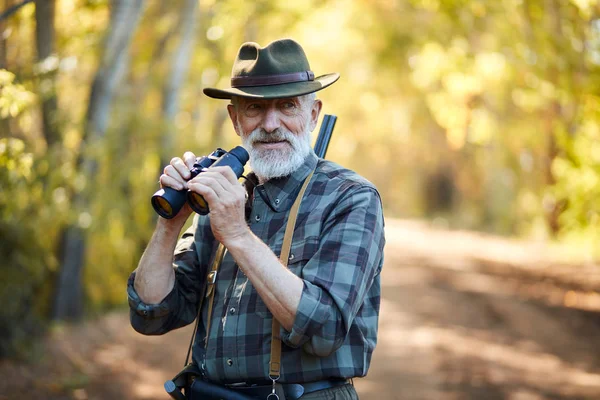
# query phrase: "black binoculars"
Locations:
[[167, 201]]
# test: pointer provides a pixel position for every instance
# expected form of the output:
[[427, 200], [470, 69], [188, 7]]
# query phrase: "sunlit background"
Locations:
[[466, 114]]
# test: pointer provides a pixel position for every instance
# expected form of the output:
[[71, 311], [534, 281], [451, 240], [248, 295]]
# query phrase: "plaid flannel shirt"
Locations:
[[337, 250]]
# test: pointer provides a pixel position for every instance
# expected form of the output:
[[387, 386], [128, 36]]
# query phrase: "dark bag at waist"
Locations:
[[201, 390]]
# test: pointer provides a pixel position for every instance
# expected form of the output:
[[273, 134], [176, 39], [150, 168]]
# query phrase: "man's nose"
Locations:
[[271, 120]]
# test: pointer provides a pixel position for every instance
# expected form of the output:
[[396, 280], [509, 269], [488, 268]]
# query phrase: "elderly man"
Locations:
[[323, 305]]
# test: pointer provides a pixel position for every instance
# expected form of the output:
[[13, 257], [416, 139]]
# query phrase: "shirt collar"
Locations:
[[279, 193]]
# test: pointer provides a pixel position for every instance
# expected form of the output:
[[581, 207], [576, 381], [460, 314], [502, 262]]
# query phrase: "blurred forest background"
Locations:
[[473, 114]]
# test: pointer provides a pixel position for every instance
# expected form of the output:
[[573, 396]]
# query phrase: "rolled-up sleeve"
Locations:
[[339, 278], [179, 307]]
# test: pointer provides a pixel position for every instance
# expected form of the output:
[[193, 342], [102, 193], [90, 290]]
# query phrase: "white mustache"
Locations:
[[278, 135]]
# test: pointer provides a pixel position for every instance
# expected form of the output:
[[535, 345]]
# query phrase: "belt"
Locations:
[[292, 391]]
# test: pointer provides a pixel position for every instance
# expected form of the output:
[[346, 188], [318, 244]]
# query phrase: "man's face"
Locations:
[[275, 132]]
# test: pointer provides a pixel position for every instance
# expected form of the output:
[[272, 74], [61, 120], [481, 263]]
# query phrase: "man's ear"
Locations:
[[232, 110], [315, 111]]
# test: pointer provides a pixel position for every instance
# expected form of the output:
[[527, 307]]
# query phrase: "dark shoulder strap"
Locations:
[[208, 291]]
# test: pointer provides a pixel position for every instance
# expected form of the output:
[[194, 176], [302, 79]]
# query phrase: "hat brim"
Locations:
[[275, 91]]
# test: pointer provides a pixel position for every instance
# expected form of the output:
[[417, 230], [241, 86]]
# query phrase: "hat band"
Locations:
[[266, 80]]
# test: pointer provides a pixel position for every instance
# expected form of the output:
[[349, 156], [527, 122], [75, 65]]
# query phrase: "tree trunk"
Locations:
[[124, 18], [123, 21], [177, 75], [44, 34], [143, 85], [554, 116], [4, 5], [4, 125]]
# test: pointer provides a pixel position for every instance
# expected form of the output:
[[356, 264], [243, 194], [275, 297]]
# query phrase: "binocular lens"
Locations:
[[197, 203], [162, 207]]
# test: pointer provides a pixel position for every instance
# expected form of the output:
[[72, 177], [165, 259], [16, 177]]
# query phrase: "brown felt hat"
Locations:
[[278, 70]]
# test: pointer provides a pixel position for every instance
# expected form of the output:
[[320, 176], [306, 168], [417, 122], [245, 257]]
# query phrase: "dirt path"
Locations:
[[463, 316], [469, 317]]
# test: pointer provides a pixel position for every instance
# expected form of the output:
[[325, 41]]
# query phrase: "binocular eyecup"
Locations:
[[167, 202]]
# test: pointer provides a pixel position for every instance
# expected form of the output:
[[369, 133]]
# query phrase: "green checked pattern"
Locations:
[[337, 250]]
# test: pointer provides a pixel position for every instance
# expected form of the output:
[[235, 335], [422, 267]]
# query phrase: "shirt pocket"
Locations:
[[300, 254]]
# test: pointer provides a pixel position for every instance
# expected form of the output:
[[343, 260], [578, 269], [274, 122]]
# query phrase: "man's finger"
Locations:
[[189, 158], [213, 182], [168, 181], [217, 176], [227, 172], [181, 167], [206, 191], [173, 173]]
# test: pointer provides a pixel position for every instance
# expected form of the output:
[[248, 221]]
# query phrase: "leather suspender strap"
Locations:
[[275, 363], [209, 291], [211, 279]]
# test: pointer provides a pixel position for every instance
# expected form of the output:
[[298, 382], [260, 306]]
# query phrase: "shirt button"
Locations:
[[232, 310], [291, 257], [276, 201], [229, 362], [257, 218]]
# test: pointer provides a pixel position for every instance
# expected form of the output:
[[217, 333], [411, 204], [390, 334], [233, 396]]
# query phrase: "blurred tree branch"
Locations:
[[11, 10], [44, 34]]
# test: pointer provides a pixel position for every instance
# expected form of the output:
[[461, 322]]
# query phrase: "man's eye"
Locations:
[[253, 106], [288, 104]]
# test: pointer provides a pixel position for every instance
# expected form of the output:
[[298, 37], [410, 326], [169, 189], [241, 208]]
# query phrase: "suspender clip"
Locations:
[[211, 278]]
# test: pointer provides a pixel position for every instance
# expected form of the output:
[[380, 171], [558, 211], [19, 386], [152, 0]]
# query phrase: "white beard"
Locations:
[[275, 163]]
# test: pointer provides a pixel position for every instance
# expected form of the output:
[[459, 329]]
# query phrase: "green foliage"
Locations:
[[14, 98], [26, 263], [577, 175]]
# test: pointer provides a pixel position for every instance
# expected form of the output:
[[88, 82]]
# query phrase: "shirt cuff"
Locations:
[[148, 311], [310, 313]]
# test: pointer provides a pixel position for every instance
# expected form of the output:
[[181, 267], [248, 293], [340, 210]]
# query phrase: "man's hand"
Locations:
[[226, 198], [175, 175]]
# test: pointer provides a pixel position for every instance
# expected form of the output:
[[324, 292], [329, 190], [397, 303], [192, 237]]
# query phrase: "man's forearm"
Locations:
[[277, 286], [155, 277]]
